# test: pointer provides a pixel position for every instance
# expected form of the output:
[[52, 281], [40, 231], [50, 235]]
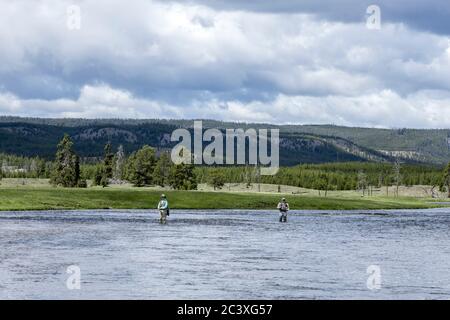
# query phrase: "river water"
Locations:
[[226, 254]]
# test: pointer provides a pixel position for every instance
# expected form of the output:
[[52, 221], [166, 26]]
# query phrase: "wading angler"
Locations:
[[260, 144]]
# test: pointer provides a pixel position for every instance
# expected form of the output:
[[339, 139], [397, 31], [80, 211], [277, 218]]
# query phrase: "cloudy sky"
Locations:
[[285, 61]]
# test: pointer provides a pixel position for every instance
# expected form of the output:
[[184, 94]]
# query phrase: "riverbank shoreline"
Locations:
[[49, 198]]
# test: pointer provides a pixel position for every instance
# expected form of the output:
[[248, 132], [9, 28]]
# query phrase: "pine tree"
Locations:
[[80, 182], [446, 179], [66, 170], [107, 166], [162, 170], [98, 175]]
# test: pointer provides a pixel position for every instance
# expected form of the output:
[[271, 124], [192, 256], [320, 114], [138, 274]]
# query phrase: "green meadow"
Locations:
[[51, 198]]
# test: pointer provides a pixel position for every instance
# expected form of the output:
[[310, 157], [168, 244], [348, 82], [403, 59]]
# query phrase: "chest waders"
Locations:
[[283, 215], [163, 207], [163, 215]]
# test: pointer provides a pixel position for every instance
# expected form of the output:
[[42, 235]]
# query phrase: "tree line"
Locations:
[[337, 176], [147, 167], [141, 168]]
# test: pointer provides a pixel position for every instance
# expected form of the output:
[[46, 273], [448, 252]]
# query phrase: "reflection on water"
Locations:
[[225, 254]]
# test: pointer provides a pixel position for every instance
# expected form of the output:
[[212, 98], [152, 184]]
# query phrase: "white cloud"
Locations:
[[381, 109], [93, 102], [168, 59], [424, 109]]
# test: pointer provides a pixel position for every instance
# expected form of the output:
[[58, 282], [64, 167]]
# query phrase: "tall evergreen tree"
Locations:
[[98, 175], [66, 170], [107, 165], [162, 170], [446, 179]]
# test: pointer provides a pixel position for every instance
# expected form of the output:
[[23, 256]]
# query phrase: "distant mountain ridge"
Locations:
[[298, 143]]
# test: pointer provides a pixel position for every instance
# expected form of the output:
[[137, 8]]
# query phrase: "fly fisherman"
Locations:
[[163, 207], [283, 206]]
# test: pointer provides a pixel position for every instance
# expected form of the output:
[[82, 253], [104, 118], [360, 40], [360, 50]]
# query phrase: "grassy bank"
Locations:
[[48, 198]]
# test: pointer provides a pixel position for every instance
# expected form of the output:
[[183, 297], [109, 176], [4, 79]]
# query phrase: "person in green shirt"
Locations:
[[163, 207]]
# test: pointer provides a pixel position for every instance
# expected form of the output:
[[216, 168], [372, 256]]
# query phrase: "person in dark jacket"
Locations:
[[283, 206]]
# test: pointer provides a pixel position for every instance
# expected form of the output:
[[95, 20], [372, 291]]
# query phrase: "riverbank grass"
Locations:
[[49, 198]]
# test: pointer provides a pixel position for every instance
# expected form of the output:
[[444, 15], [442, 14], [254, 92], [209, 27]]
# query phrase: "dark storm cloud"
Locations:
[[431, 15]]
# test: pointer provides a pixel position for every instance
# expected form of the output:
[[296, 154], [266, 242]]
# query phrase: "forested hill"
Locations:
[[298, 144]]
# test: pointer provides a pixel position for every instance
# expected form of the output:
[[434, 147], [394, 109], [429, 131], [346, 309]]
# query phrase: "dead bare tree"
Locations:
[[362, 181], [396, 170]]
